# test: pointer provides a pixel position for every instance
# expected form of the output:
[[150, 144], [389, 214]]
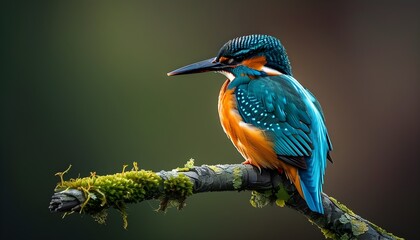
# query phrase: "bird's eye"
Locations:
[[227, 60]]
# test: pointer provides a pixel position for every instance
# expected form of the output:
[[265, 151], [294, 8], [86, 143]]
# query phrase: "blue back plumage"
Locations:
[[292, 117]]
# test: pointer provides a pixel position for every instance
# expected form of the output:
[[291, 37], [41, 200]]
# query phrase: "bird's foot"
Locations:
[[248, 161]]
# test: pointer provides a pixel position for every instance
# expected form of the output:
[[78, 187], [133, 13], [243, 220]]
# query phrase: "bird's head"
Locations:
[[252, 55]]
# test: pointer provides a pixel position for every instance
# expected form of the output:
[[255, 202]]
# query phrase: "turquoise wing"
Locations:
[[293, 119], [319, 108], [274, 105]]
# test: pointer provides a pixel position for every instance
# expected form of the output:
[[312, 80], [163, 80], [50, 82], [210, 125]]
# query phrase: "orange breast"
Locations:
[[250, 141]]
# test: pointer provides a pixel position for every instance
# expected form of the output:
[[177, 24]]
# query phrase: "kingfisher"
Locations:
[[273, 121]]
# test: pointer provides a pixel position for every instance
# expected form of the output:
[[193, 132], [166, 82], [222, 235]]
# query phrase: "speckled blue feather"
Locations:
[[291, 116]]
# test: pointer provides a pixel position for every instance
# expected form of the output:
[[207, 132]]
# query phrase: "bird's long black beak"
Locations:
[[198, 67]]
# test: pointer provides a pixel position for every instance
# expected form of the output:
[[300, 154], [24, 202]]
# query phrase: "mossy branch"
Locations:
[[95, 194]]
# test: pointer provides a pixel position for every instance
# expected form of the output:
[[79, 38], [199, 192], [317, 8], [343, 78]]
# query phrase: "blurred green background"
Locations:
[[84, 83]]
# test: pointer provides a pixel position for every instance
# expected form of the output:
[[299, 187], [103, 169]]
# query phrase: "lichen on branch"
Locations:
[[95, 194]]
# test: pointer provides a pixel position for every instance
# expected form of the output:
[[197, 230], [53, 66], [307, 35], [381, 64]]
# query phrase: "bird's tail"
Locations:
[[312, 198]]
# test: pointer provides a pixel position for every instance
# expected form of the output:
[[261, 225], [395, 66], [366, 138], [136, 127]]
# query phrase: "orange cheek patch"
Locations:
[[256, 63], [223, 59]]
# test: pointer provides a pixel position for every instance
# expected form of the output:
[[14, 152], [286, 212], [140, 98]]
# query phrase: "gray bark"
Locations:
[[338, 222]]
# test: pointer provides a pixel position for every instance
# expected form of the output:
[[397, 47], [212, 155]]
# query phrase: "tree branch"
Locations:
[[94, 194]]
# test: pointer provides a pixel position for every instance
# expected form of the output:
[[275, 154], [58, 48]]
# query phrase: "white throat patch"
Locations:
[[229, 75]]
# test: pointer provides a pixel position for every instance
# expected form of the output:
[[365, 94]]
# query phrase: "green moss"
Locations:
[[190, 163], [116, 190], [342, 206], [261, 199], [101, 216], [282, 196], [178, 187], [123, 211], [237, 178], [361, 228], [176, 190], [357, 227], [187, 166], [345, 218], [328, 234], [215, 169]]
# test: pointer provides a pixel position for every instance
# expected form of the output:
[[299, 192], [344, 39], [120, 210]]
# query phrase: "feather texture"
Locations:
[[274, 122]]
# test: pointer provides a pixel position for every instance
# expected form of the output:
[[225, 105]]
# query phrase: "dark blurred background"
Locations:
[[84, 83]]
